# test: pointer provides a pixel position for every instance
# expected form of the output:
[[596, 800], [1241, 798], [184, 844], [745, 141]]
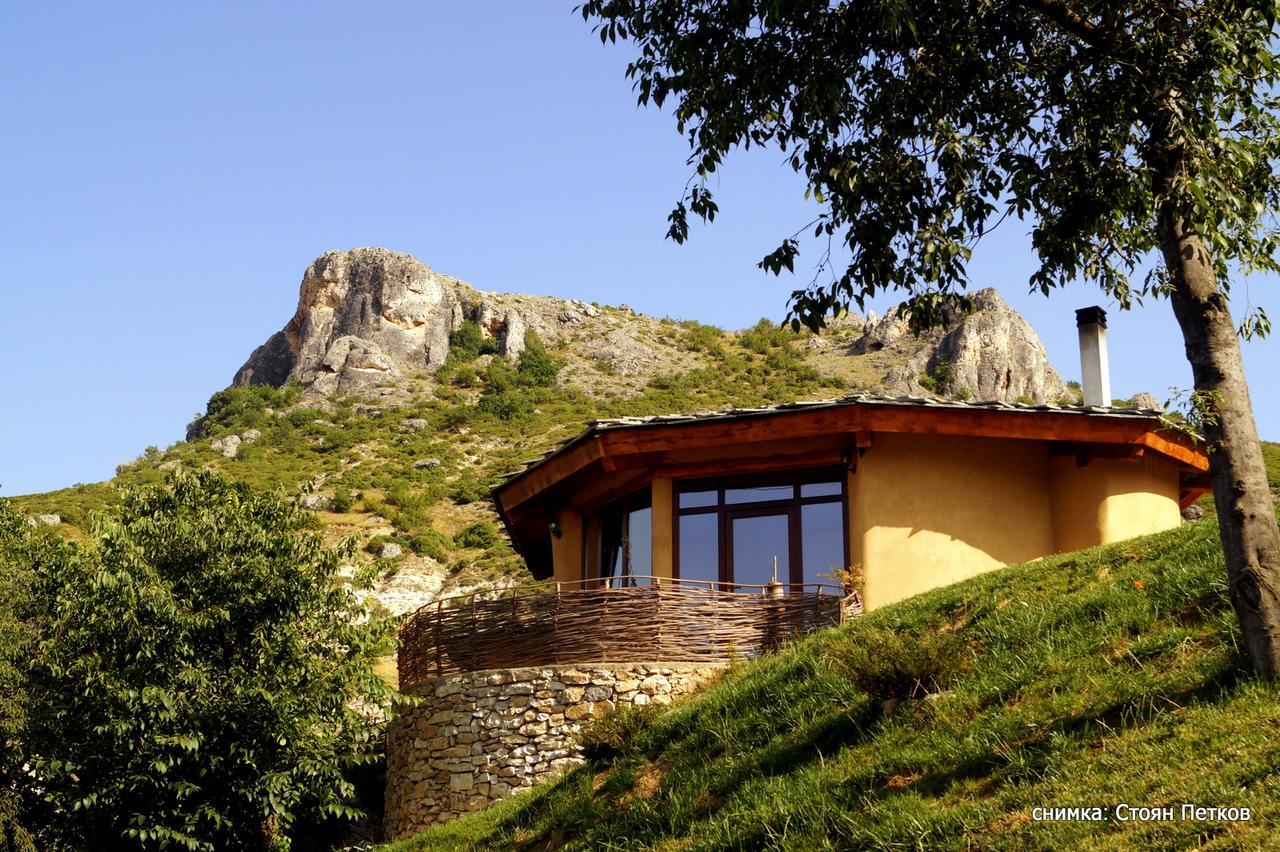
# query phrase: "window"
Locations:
[[699, 550], [740, 531], [619, 542]]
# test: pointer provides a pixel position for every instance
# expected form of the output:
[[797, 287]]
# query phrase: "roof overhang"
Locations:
[[613, 458]]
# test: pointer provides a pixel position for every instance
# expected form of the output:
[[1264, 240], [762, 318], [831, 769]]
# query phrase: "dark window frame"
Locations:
[[634, 502], [791, 507]]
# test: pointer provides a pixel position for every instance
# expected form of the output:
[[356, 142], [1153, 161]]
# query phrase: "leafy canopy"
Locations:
[[203, 679], [23, 551], [918, 126]]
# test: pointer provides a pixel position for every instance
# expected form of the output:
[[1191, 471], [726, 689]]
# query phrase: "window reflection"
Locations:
[[700, 547], [620, 545], [759, 495], [798, 517], [822, 541], [759, 541], [694, 499], [821, 489]]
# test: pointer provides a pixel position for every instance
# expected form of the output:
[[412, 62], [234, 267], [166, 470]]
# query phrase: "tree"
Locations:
[[1122, 129], [202, 679], [23, 549]]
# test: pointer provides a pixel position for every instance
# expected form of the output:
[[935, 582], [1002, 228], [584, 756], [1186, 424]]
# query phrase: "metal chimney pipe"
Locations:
[[1095, 372]]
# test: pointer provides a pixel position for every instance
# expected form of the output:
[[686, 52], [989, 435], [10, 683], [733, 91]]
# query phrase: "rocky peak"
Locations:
[[369, 320], [990, 354], [368, 317]]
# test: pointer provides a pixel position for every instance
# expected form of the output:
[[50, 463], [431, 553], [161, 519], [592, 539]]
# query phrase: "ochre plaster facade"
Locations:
[[928, 510]]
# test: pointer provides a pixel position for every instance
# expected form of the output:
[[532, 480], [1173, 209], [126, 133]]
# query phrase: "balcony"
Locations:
[[648, 619]]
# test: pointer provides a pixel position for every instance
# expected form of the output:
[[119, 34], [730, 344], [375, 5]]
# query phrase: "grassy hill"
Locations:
[[1106, 677]]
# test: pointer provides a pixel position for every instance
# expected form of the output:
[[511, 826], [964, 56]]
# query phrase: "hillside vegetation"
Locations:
[[417, 472], [1106, 677]]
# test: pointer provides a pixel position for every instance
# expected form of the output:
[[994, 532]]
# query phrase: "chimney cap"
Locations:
[[1094, 315]]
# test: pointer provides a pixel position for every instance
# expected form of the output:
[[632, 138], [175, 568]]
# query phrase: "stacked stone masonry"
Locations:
[[478, 737]]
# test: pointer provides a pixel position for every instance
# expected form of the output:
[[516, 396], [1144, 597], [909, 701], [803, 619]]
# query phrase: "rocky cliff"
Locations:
[[369, 320], [991, 354], [369, 317]]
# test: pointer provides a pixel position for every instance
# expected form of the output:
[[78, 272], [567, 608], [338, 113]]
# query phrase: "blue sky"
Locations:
[[169, 170]]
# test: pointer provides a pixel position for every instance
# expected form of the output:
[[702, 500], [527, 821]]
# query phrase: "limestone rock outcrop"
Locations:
[[369, 317], [990, 354], [370, 320]]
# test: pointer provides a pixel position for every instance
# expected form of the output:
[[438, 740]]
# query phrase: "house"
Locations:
[[915, 493], [672, 545]]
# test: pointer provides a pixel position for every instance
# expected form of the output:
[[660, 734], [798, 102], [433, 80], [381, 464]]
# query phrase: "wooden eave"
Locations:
[[608, 461]]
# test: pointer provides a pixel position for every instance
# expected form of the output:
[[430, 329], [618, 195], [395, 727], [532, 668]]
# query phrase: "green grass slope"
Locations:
[[1111, 676]]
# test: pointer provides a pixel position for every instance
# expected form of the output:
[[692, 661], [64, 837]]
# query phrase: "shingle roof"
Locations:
[[595, 427]]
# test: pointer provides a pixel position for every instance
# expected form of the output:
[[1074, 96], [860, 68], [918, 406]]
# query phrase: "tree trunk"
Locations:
[[1246, 514]]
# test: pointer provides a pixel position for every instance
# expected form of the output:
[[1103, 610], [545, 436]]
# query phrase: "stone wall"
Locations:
[[478, 737]]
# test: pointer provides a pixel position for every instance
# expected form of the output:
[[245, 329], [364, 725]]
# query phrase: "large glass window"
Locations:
[[734, 530]]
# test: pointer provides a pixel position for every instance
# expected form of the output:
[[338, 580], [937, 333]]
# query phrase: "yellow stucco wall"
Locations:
[[928, 510], [662, 537], [1110, 500], [566, 551]]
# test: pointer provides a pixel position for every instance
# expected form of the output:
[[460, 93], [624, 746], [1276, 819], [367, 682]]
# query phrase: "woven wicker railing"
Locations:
[[585, 622]]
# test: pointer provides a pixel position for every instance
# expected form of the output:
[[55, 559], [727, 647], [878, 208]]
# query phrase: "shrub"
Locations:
[[481, 534], [468, 489], [454, 419], [891, 665], [465, 376], [702, 338], [197, 676], [433, 544], [304, 416], [939, 379], [536, 366], [468, 343], [344, 499], [504, 404], [241, 408], [617, 732], [765, 335]]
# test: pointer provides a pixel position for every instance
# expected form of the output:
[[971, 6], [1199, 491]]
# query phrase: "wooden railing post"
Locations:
[[439, 632]]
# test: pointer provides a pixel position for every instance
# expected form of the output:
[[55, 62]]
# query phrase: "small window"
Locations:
[[762, 494], [821, 489], [697, 499]]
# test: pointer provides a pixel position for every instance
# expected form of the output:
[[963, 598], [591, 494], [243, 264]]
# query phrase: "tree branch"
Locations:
[[1074, 23]]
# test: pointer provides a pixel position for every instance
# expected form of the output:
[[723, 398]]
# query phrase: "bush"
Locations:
[[702, 338], [468, 489], [481, 534], [537, 366], [433, 544], [465, 376], [468, 343], [617, 732], [241, 407], [891, 665], [344, 499], [197, 675], [765, 335]]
